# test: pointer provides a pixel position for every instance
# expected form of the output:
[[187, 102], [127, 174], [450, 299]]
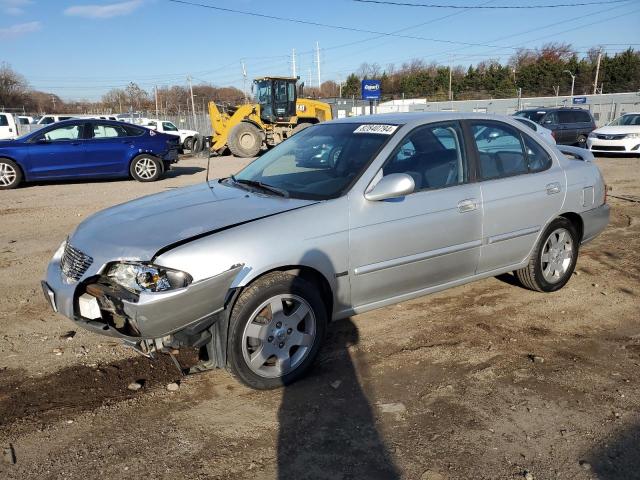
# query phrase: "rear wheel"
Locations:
[[188, 143], [245, 140], [10, 174], [145, 168], [553, 259], [276, 329]]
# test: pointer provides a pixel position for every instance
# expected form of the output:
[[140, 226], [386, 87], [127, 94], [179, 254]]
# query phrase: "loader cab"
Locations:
[[277, 98]]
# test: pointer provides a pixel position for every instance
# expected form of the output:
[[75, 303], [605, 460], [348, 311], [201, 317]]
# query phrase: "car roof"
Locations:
[[419, 118]]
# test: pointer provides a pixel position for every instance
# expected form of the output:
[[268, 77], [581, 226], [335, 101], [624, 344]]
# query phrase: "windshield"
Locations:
[[628, 119], [534, 115], [320, 162], [263, 91]]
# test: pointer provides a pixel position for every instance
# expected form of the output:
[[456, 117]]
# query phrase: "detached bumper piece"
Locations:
[[152, 316]]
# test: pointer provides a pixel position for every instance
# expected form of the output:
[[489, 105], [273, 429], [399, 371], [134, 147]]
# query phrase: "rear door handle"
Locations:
[[553, 188], [467, 205]]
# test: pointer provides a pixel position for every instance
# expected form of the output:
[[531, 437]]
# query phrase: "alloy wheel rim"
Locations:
[[557, 255], [146, 168], [8, 174], [279, 336]]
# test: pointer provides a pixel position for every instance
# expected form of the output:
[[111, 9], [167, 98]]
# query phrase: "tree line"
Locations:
[[539, 72]]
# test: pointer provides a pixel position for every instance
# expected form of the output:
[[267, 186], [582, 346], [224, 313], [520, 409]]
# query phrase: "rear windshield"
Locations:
[[321, 162], [535, 115]]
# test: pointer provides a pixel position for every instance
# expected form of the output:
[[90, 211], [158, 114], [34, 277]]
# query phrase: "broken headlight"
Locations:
[[145, 277]]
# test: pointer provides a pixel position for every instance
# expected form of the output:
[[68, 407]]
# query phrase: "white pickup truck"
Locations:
[[186, 136], [8, 127]]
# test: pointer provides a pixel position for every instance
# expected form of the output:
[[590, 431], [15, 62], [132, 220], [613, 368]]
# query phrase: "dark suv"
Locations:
[[570, 126]]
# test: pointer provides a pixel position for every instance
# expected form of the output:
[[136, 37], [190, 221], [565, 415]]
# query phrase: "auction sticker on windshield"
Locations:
[[376, 128]]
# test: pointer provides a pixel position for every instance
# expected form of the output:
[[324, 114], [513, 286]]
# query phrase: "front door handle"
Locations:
[[553, 188], [467, 205]]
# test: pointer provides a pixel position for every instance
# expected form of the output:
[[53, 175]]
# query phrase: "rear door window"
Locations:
[[4, 121], [537, 157], [566, 116], [500, 150], [108, 131]]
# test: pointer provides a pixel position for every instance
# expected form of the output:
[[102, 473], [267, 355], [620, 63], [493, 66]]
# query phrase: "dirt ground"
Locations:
[[484, 381]]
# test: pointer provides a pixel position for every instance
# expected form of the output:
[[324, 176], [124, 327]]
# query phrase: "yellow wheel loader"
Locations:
[[277, 114]]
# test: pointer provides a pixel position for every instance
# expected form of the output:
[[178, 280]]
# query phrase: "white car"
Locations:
[[545, 133], [620, 136], [8, 127], [164, 126]]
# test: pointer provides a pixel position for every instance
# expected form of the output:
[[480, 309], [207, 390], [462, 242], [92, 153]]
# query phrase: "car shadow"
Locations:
[[178, 171], [618, 458], [327, 426]]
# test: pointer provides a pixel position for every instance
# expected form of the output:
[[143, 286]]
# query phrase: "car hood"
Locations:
[[187, 132], [617, 129], [137, 230]]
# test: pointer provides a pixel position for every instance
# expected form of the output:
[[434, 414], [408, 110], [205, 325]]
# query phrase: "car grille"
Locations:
[[608, 148], [74, 263], [611, 137]]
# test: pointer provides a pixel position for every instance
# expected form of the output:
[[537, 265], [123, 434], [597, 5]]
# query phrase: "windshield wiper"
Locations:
[[260, 185]]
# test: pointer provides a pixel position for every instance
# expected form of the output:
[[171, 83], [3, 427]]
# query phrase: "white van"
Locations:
[[8, 127]]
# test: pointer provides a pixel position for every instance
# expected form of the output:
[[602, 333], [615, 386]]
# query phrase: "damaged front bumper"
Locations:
[[145, 321]]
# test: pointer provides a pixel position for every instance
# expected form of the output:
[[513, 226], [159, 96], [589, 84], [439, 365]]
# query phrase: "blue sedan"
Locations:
[[87, 148]]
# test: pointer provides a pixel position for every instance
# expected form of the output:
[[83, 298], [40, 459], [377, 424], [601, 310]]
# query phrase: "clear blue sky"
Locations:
[[82, 48]]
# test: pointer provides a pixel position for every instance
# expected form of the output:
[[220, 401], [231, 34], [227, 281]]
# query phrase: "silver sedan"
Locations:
[[344, 217]]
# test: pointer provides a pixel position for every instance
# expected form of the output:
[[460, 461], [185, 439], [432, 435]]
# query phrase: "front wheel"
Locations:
[[275, 331], [245, 140], [582, 141], [553, 259], [145, 168]]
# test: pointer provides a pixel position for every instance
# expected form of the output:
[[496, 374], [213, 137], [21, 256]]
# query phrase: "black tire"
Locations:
[[582, 141], [188, 143], [145, 168], [532, 276], [10, 174], [245, 140], [264, 289], [298, 128]]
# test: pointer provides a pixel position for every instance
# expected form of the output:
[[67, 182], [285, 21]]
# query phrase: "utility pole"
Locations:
[[318, 61], [53, 99], [293, 63], [595, 83], [193, 107], [450, 92], [244, 81], [573, 82], [156, 94]]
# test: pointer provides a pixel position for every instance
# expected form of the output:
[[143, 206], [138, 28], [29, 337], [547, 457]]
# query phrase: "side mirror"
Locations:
[[391, 186]]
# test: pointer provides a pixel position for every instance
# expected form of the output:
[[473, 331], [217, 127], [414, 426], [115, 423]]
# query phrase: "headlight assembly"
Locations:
[[632, 135], [593, 135], [140, 277]]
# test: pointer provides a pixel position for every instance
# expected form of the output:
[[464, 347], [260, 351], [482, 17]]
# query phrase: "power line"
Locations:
[[492, 7], [336, 27]]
